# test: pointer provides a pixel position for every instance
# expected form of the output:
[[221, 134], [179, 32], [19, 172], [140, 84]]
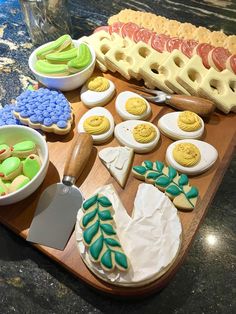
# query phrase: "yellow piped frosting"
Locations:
[[186, 154], [144, 133], [98, 84], [136, 106], [189, 121], [96, 125]]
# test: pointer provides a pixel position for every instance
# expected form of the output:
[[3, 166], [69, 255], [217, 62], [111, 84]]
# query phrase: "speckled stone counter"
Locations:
[[32, 283]]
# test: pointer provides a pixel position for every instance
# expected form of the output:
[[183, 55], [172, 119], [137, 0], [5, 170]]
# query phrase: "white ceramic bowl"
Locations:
[[63, 83], [12, 134]]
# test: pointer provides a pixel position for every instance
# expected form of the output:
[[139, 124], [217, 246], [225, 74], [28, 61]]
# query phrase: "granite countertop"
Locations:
[[31, 282]]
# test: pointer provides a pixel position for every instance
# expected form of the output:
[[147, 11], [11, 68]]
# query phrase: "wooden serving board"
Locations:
[[219, 131]]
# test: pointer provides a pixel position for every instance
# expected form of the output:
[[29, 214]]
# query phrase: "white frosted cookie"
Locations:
[[154, 216], [131, 106], [118, 161], [141, 136], [194, 156], [181, 125], [98, 122]]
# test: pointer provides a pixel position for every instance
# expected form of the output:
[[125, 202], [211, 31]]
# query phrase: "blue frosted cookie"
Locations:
[[44, 109], [7, 117]]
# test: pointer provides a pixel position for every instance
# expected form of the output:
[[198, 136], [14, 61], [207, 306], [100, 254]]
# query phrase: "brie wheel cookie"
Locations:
[[118, 161], [97, 91], [154, 231], [131, 106], [196, 156], [99, 123], [181, 125], [142, 136]]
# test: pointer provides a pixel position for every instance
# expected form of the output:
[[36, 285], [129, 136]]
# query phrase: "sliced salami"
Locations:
[[116, 27], [231, 63], [217, 58], [105, 28], [188, 46], [158, 42], [128, 29], [173, 43], [142, 34], [203, 50]]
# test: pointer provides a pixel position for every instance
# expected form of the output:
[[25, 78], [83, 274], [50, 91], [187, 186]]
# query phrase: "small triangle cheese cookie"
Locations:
[[118, 161]]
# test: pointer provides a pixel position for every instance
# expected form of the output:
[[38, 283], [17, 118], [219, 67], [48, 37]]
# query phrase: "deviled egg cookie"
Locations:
[[142, 136], [99, 123], [191, 156], [131, 106], [181, 125], [97, 91]]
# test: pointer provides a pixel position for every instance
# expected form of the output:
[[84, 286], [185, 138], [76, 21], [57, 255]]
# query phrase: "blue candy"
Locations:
[[34, 118], [47, 122], [62, 124]]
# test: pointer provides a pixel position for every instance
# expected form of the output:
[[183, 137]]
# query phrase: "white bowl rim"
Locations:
[[30, 62], [44, 163]]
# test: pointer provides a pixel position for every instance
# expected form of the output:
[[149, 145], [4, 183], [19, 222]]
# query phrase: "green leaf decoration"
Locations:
[[90, 232], [192, 193], [104, 201], [106, 259], [89, 217], [96, 248], [140, 169], [148, 164], [183, 179], [163, 181], [153, 175], [90, 202], [105, 215], [108, 229], [159, 166], [99, 233], [158, 176], [121, 260], [112, 242], [172, 172], [173, 190]]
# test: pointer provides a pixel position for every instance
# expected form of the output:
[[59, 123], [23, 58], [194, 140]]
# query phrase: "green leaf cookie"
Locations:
[[167, 179], [99, 234]]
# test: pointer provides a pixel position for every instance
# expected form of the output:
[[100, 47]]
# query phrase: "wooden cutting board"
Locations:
[[219, 131]]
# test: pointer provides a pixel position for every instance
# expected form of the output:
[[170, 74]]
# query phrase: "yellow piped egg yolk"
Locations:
[[186, 154], [144, 133], [136, 106], [98, 84], [189, 121], [96, 125]]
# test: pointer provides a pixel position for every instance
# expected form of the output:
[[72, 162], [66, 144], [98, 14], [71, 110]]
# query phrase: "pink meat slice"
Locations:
[[173, 43], [116, 27], [158, 42], [203, 50], [128, 29], [105, 28], [142, 34], [219, 56], [188, 46]]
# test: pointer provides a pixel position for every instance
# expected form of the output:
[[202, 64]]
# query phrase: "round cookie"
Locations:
[[31, 166], [18, 183], [5, 151], [24, 149], [10, 168]]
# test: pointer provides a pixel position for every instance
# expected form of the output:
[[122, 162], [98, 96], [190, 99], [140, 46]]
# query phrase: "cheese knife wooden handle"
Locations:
[[77, 156], [201, 106]]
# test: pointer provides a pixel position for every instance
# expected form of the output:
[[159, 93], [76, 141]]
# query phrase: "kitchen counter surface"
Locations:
[[31, 282]]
